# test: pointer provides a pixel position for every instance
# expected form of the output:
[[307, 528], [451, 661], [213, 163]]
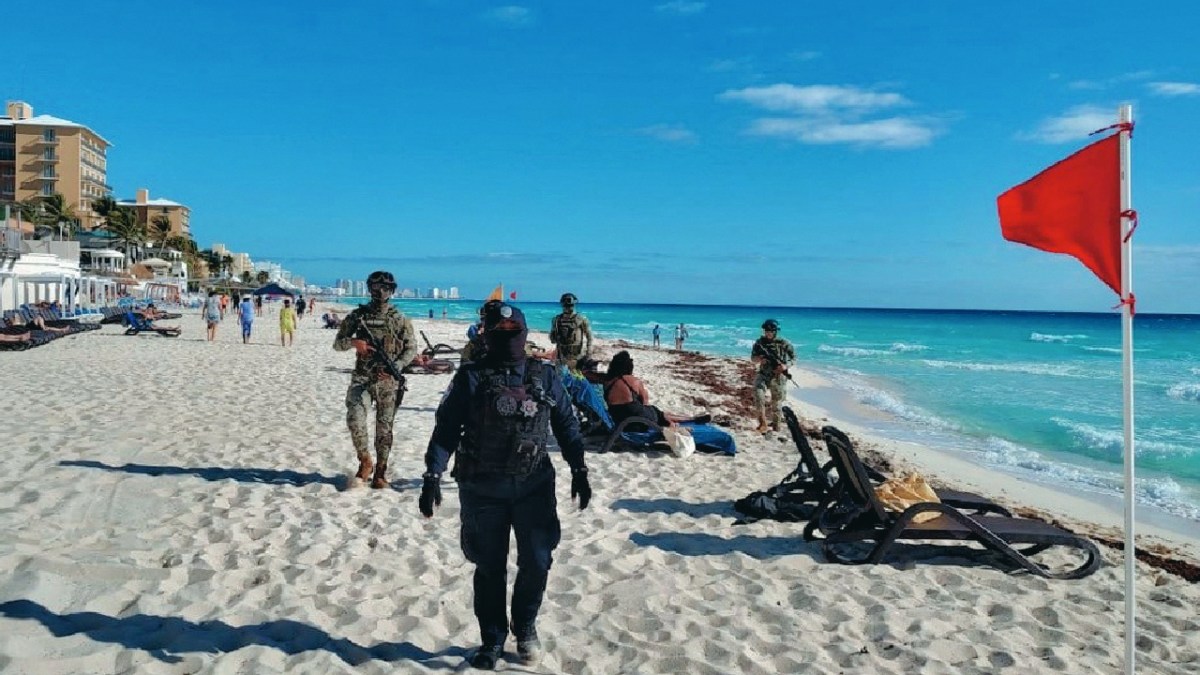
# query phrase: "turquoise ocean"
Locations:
[[1036, 394]]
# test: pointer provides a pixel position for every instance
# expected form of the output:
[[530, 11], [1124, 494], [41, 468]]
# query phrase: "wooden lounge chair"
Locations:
[[863, 519], [138, 324]]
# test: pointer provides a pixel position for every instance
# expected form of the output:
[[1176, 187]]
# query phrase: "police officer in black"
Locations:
[[498, 416]]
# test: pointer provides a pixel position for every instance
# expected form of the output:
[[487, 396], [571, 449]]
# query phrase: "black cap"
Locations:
[[501, 314], [771, 324]]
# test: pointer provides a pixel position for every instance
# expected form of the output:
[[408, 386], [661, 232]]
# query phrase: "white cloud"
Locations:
[[1174, 88], [1111, 81], [825, 114], [892, 132], [669, 133], [1073, 125], [815, 98], [682, 7], [513, 15]]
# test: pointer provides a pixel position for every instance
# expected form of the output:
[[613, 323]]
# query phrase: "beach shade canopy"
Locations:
[[273, 289]]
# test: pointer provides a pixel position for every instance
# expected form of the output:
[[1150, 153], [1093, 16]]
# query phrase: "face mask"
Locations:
[[506, 346]]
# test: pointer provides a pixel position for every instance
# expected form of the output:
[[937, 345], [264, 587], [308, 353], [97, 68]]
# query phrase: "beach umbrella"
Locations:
[[1082, 206], [273, 289]]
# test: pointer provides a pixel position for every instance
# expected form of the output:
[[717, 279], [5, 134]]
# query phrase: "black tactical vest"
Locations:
[[508, 427]]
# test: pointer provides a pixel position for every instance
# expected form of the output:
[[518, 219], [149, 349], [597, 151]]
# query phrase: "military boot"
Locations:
[[365, 467], [762, 425], [380, 479]]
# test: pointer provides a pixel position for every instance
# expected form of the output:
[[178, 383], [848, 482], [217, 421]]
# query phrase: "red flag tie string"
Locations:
[[1131, 301], [1132, 215], [1119, 126]]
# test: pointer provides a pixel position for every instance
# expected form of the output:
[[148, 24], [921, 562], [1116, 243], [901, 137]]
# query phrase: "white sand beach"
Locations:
[[178, 506]]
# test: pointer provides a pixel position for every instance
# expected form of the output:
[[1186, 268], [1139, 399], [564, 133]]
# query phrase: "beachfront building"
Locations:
[[41, 155], [152, 211]]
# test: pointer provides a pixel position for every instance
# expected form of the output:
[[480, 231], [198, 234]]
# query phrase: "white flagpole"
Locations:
[[1126, 116]]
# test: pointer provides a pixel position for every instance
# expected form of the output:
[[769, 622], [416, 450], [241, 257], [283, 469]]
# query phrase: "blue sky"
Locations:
[[789, 153]]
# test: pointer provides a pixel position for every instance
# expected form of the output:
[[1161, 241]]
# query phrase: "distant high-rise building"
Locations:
[[453, 292], [42, 155]]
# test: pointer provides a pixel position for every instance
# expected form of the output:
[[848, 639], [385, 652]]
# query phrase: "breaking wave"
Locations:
[[1027, 368], [1162, 493], [1047, 337], [1185, 391]]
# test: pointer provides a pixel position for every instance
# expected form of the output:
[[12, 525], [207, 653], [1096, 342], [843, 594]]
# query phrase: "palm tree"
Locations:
[[129, 233], [262, 277], [246, 276], [160, 227], [103, 206], [53, 212], [226, 263]]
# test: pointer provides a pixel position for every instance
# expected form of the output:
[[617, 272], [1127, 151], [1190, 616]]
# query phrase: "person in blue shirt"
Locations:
[[246, 315], [496, 420], [657, 333]]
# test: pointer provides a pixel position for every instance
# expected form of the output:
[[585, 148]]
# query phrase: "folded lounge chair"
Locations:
[[440, 348], [138, 324], [858, 516], [815, 482]]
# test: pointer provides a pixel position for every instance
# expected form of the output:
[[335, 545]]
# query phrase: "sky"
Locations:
[[786, 153]]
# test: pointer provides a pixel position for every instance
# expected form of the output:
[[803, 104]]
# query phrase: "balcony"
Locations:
[[45, 177], [42, 140], [44, 158]]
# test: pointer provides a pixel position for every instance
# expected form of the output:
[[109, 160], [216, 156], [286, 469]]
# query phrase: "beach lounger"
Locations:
[[440, 348], [857, 516], [708, 438], [138, 324], [814, 481]]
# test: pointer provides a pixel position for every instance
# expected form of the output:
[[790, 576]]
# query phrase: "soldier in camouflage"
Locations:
[[773, 355], [371, 380], [572, 333]]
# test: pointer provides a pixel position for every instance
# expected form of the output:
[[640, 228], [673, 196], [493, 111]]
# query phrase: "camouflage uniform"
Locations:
[[768, 381], [395, 331], [581, 340]]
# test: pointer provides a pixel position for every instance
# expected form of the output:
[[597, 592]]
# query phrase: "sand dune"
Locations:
[[176, 506]]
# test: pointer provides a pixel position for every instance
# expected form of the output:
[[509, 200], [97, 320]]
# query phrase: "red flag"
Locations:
[[1073, 207], [512, 296]]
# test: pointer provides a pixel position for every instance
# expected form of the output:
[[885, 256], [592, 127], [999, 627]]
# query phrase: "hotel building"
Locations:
[[41, 155], [150, 209]]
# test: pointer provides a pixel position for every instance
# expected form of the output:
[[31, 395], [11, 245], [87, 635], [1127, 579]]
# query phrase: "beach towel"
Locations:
[[899, 493]]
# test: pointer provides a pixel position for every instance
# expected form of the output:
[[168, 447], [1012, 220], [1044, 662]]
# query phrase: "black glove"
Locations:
[[431, 493], [580, 487]]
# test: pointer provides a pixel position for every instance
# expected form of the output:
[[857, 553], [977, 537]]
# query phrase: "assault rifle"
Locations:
[[773, 359], [379, 354]]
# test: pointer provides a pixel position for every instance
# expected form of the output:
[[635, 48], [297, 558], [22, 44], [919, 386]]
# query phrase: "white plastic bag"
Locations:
[[681, 441]]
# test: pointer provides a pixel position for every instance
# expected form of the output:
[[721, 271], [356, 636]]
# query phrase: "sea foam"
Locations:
[[1026, 368], [1047, 337], [1185, 391]]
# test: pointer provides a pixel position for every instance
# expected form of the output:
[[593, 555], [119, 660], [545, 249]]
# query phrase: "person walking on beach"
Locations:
[[287, 323], [246, 317], [224, 305], [212, 314], [773, 355], [301, 305], [498, 415], [379, 322], [572, 332], [681, 334], [258, 305], [657, 333]]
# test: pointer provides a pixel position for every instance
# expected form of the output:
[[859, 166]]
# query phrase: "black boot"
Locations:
[[529, 648], [486, 657]]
